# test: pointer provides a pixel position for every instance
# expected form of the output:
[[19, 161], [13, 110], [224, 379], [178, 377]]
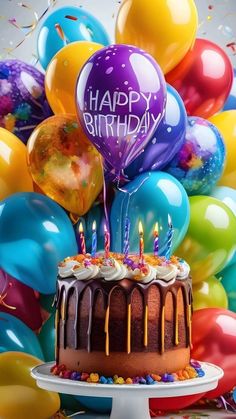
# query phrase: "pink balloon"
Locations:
[[20, 301]]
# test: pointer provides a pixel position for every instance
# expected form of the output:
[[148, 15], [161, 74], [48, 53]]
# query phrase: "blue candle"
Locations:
[[126, 239], [94, 240], [156, 240], [169, 237]]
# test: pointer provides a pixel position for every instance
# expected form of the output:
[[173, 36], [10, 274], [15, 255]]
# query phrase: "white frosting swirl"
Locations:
[[138, 275], [83, 272], [113, 271], [166, 272], [183, 270], [65, 268]]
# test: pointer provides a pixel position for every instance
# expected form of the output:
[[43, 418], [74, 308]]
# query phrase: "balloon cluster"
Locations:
[[151, 120]]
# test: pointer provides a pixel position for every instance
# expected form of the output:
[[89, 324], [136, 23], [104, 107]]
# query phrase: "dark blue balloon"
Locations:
[[35, 235], [231, 101], [149, 198], [96, 404], [167, 139], [75, 24]]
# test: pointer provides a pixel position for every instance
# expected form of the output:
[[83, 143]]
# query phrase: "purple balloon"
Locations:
[[121, 97], [23, 103]]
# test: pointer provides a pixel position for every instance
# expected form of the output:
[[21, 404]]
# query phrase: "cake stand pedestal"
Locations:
[[129, 401]]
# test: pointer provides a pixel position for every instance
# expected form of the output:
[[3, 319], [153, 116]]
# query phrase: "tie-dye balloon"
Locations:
[[23, 104], [200, 162]]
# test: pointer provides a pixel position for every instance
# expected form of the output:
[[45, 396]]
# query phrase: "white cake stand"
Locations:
[[129, 401]]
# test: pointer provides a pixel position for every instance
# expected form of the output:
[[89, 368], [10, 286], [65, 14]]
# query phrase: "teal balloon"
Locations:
[[46, 338], [149, 199], [228, 196], [96, 213], [16, 336], [96, 404], [228, 278], [35, 235], [81, 27], [46, 302]]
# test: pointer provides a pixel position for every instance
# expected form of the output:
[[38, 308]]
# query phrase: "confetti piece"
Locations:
[[60, 31], [71, 17]]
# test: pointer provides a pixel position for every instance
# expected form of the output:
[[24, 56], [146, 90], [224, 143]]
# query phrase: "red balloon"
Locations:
[[214, 340], [20, 301], [173, 403], [203, 78]]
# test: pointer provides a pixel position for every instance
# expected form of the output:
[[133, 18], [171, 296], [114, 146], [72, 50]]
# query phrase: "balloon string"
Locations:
[[105, 198], [3, 296]]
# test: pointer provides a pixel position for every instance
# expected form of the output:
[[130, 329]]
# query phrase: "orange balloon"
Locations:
[[64, 164], [20, 397]]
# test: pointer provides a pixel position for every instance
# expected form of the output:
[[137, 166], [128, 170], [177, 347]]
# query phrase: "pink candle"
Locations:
[[106, 241], [141, 243], [82, 240], [156, 240]]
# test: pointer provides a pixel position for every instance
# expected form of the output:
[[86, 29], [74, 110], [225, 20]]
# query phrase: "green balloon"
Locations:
[[228, 276], [210, 293], [211, 237], [47, 339]]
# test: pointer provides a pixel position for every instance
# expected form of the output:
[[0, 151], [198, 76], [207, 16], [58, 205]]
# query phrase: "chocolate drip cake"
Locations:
[[115, 316]]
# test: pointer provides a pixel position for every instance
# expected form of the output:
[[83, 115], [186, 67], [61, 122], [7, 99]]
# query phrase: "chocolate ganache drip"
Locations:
[[70, 288]]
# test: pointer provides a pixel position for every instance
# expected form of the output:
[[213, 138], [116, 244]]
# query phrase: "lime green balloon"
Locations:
[[211, 237], [209, 293]]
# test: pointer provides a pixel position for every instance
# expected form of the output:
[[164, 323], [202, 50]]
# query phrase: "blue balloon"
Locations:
[[35, 235], [199, 164], [96, 404], [76, 24], [167, 139], [231, 101], [16, 336], [150, 198], [228, 276]]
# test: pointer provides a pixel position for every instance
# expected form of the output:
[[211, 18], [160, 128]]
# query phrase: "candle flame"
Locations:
[[94, 226], [81, 228], [140, 228], [156, 229], [170, 221]]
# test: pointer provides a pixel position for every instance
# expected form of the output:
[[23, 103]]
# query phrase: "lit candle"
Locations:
[[126, 239], [106, 241], [156, 240], [94, 239], [169, 237], [141, 243], [82, 240]]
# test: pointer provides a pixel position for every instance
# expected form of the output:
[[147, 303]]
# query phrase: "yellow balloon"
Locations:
[[209, 293], [164, 28], [19, 395], [14, 174], [226, 124], [62, 73]]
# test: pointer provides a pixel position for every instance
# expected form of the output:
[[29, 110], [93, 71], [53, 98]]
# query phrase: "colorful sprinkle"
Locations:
[[193, 370]]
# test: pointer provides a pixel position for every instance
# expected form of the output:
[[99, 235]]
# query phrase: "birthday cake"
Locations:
[[118, 316]]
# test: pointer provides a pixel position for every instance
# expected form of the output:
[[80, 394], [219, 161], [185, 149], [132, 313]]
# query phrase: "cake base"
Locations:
[[136, 363], [129, 400]]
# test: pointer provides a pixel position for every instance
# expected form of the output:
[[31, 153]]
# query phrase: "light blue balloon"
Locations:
[[150, 198], [16, 336], [228, 276], [35, 235], [228, 196], [96, 404], [83, 27], [231, 100]]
